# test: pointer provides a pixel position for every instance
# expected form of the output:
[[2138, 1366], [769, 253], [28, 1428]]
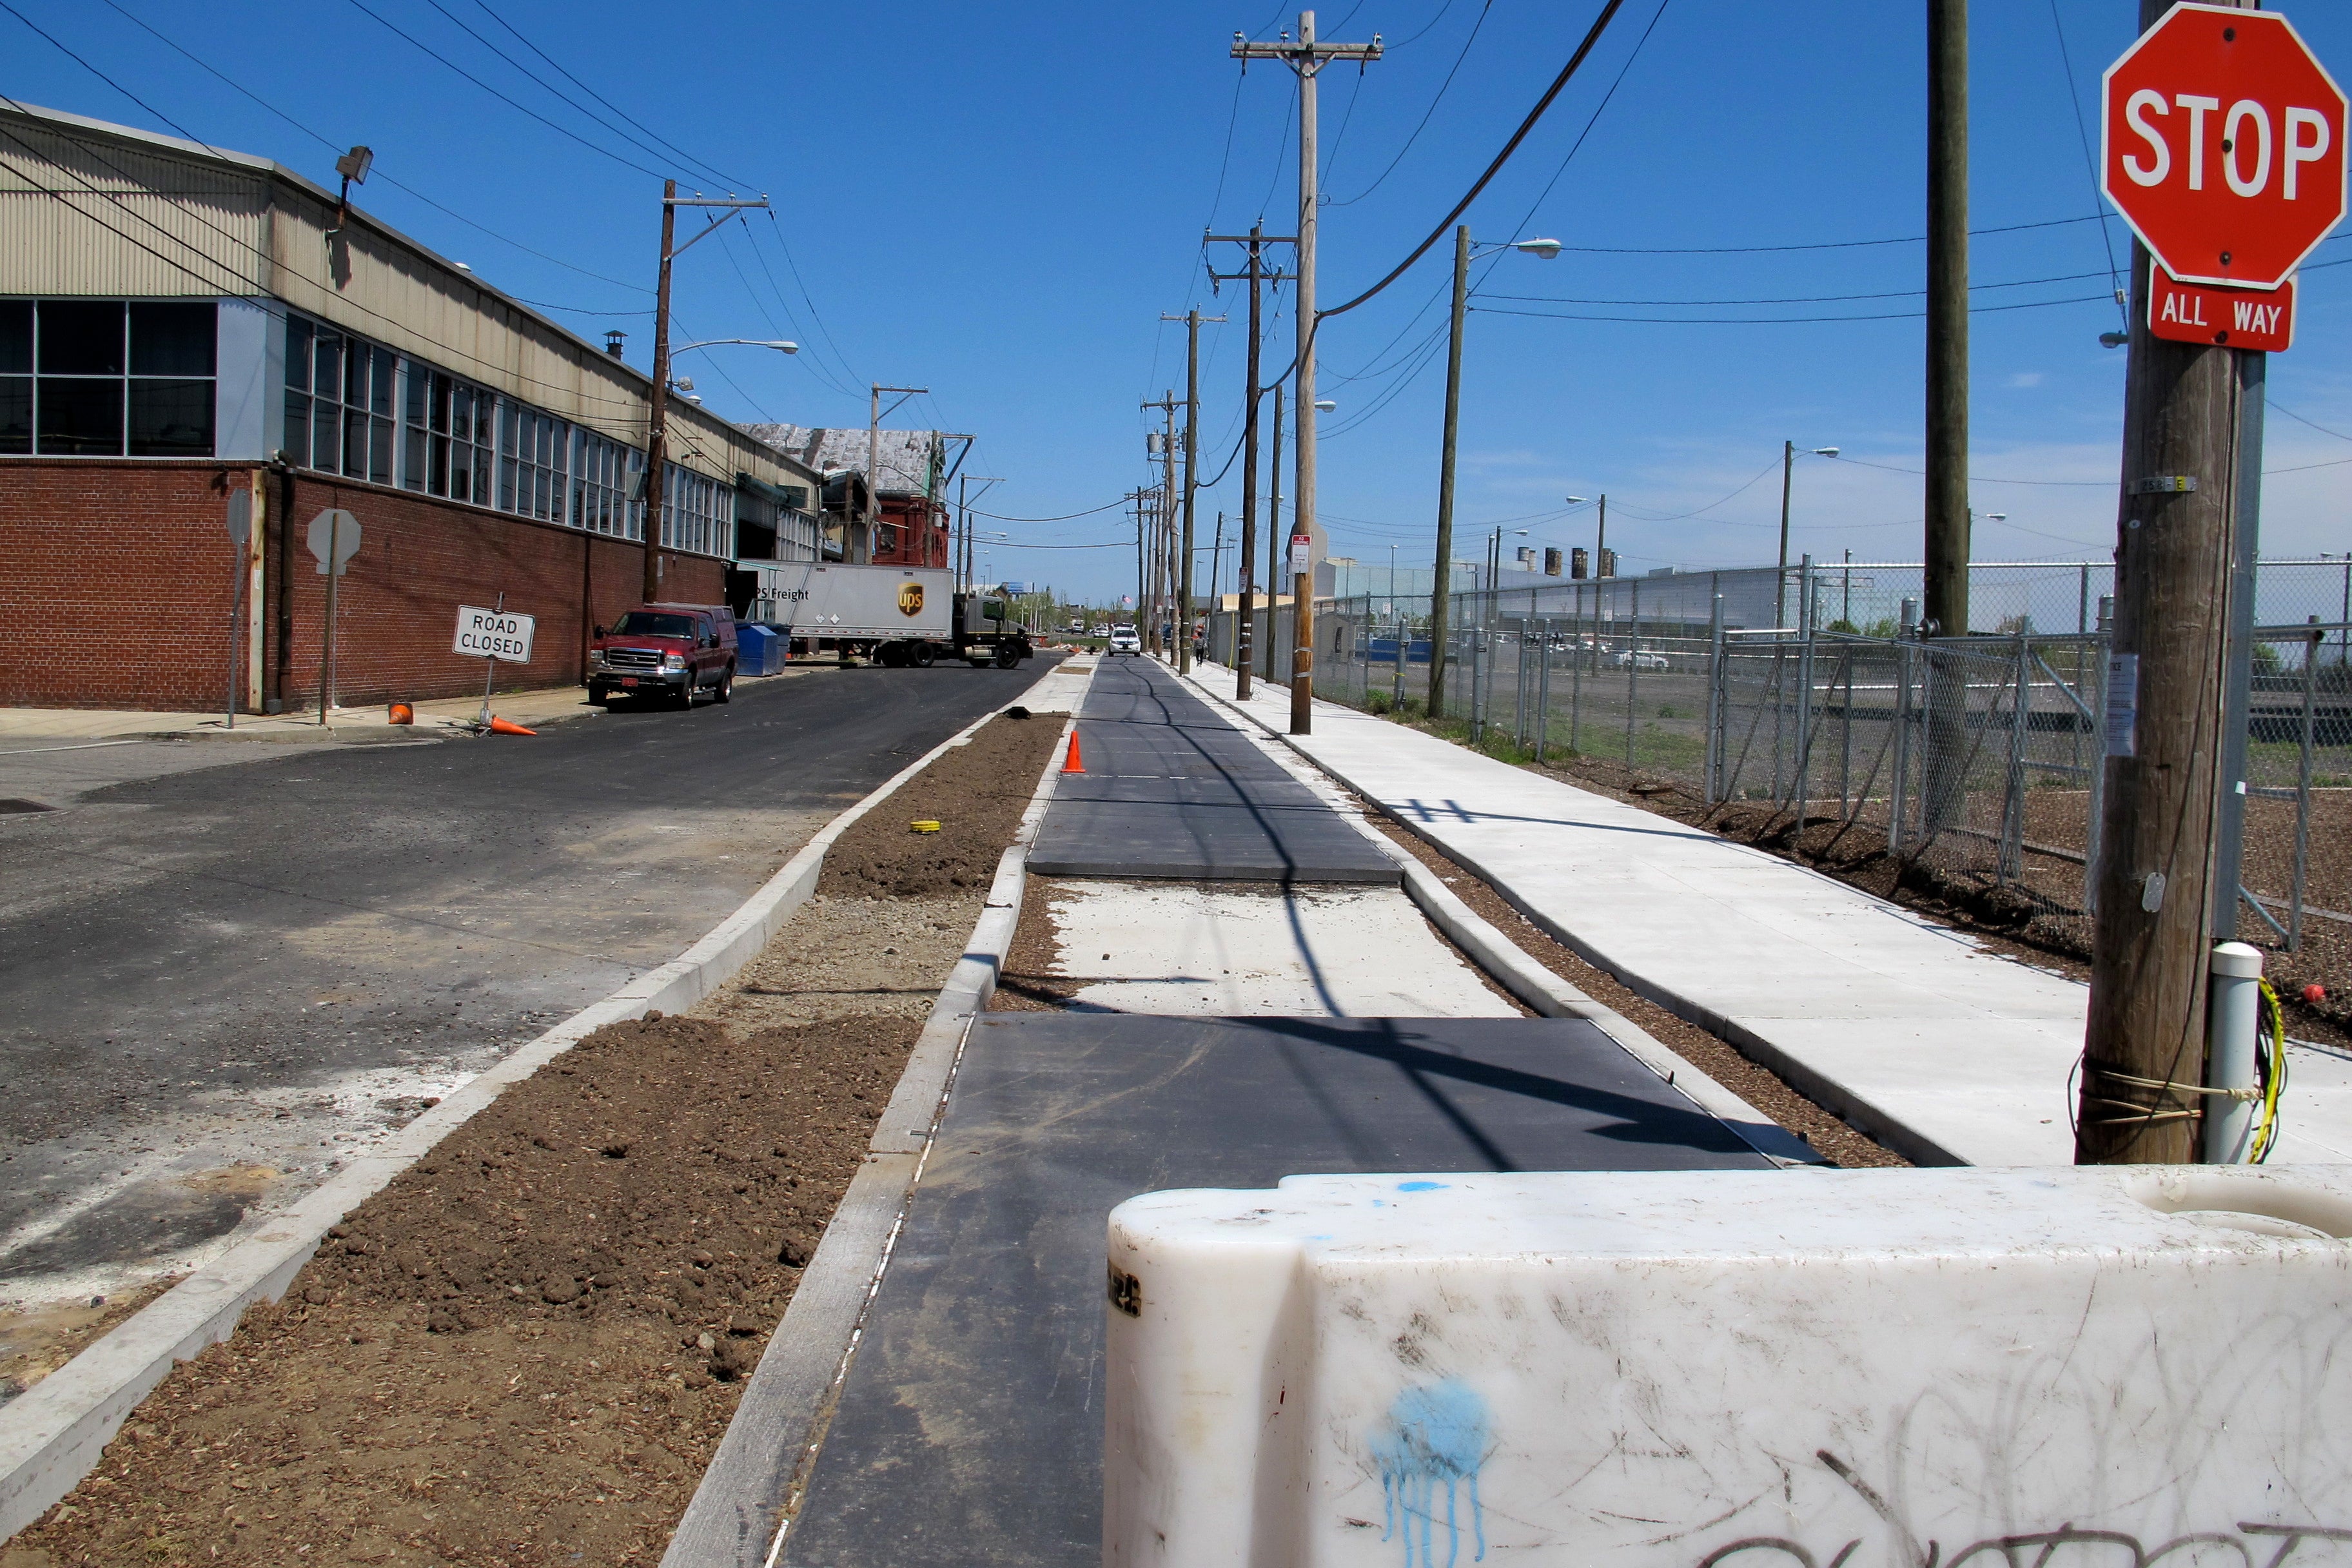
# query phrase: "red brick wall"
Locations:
[[127, 571], [919, 532]]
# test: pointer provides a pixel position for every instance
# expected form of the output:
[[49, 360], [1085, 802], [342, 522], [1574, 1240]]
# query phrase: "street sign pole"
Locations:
[[334, 539], [2224, 147]]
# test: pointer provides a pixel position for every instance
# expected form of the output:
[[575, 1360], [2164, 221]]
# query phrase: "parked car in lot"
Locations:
[[1124, 640], [1640, 658], [665, 653]]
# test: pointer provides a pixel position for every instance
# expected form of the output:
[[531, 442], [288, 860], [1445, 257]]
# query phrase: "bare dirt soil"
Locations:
[[525, 1350], [34, 1344]]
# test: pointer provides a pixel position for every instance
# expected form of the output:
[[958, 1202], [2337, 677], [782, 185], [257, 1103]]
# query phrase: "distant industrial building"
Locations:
[[907, 524], [179, 323]]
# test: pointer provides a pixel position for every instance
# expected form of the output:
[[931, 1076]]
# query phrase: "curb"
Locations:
[[54, 1433], [1547, 993], [751, 1490]]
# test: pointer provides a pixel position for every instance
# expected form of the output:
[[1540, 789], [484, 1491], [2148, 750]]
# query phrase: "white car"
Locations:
[[1640, 658], [1124, 640]]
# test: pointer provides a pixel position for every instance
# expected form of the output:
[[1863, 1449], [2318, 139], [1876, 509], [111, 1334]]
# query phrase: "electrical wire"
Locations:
[[1520, 228], [1575, 61], [362, 7], [1783, 320], [1000, 517], [2090, 165], [207, 66], [1814, 245], [1792, 299], [1426, 113], [676, 151]]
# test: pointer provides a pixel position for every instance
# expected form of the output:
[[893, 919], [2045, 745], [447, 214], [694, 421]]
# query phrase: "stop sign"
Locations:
[[2223, 145]]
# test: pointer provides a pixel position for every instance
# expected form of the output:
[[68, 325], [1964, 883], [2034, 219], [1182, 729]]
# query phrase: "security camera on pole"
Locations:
[[2223, 144]]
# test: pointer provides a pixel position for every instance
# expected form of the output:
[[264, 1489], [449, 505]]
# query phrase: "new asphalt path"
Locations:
[[226, 966]]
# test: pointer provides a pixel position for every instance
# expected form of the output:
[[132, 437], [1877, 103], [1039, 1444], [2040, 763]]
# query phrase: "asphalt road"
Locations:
[[226, 966]]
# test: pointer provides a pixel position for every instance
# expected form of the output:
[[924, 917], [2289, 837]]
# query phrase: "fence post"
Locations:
[[1403, 640], [1543, 693], [2105, 629], [1714, 766], [1633, 668], [1896, 794], [2303, 789], [1477, 647], [1806, 631], [1519, 686], [2010, 865], [1576, 677]]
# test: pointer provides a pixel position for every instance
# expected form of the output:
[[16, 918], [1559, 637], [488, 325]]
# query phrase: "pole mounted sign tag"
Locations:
[[2223, 144]]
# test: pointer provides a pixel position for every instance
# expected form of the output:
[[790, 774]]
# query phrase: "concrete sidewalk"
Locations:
[[34, 726], [1940, 1047]]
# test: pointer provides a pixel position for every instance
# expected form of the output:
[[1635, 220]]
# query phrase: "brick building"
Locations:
[[906, 522], [177, 322]]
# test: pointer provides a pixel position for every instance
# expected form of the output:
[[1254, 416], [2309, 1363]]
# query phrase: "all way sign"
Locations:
[[2232, 318]]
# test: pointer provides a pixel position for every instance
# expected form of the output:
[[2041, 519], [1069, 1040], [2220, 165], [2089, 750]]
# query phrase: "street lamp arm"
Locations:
[[778, 344]]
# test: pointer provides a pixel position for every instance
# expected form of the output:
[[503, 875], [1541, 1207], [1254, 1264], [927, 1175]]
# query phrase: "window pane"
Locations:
[[297, 429], [173, 339], [16, 338], [440, 411], [482, 461], [326, 436], [170, 418], [80, 418], [420, 383], [379, 389], [298, 353], [327, 362], [541, 493], [506, 484], [356, 442], [438, 480], [511, 420], [380, 451], [16, 414], [461, 412], [82, 337], [412, 455]]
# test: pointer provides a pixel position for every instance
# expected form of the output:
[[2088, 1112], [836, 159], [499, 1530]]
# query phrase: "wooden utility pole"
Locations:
[[1166, 404], [1307, 58], [657, 406], [1441, 578], [1945, 590], [1245, 626], [1191, 319], [2192, 459], [1273, 534]]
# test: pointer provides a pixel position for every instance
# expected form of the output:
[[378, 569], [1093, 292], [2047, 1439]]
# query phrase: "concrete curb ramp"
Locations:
[[54, 1433]]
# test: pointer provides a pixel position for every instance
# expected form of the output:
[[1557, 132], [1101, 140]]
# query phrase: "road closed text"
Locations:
[[494, 634]]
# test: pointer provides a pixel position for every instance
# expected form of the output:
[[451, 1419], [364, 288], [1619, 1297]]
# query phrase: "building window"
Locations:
[[102, 378], [699, 516], [452, 432], [338, 403], [603, 474], [531, 451]]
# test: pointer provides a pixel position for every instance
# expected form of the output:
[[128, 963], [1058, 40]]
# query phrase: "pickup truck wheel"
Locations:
[[725, 690]]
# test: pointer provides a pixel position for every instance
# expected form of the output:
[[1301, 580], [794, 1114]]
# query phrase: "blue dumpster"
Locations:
[[757, 651]]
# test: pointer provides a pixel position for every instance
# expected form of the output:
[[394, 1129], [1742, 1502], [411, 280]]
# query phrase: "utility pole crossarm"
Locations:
[[1310, 56]]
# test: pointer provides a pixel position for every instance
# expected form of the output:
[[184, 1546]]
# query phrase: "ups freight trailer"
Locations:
[[893, 616]]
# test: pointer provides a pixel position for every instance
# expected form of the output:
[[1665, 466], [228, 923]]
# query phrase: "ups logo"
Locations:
[[910, 598]]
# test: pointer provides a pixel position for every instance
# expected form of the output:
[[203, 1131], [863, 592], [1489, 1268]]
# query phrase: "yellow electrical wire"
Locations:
[[2271, 1056]]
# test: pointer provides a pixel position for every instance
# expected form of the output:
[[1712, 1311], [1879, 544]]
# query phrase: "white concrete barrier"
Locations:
[[2065, 1368]]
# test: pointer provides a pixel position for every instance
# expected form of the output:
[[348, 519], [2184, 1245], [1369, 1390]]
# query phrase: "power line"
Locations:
[[1426, 113], [1589, 122], [362, 6], [1782, 320], [1816, 245], [719, 175], [211, 69], [1591, 38], [1792, 299], [1000, 517], [2090, 165]]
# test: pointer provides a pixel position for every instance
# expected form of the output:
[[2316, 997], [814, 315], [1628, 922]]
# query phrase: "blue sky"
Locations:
[[998, 203]]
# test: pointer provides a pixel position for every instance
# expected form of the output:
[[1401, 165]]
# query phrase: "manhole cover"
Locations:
[[10, 806]]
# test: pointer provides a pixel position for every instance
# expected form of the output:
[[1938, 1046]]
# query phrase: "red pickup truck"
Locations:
[[665, 653]]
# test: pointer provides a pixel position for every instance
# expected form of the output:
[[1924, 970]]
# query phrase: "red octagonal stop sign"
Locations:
[[2223, 144]]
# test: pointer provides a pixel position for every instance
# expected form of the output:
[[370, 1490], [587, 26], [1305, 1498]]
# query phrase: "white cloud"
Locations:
[[2026, 378]]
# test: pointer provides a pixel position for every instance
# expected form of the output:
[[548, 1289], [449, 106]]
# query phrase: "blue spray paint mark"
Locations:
[[1434, 1433], [1420, 1186]]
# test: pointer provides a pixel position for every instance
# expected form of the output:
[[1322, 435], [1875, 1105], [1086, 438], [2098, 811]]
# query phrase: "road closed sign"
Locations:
[[494, 634], [2223, 144]]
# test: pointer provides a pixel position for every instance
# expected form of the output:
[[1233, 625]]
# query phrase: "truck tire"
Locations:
[[1007, 655], [725, 690], [924, 655]]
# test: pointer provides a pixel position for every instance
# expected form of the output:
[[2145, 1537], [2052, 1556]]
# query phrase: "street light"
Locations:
[[1549, 249], [1325, 405], [778, 344], [1788, 467]]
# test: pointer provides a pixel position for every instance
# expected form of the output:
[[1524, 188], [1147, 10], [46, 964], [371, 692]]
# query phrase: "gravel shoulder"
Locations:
[[525, 1350]]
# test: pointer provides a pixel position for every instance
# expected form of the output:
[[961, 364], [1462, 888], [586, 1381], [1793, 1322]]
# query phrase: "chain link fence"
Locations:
[[1811, 696]]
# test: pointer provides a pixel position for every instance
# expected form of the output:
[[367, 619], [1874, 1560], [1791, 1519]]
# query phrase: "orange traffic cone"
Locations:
[[1072, 764], [508, 727]]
